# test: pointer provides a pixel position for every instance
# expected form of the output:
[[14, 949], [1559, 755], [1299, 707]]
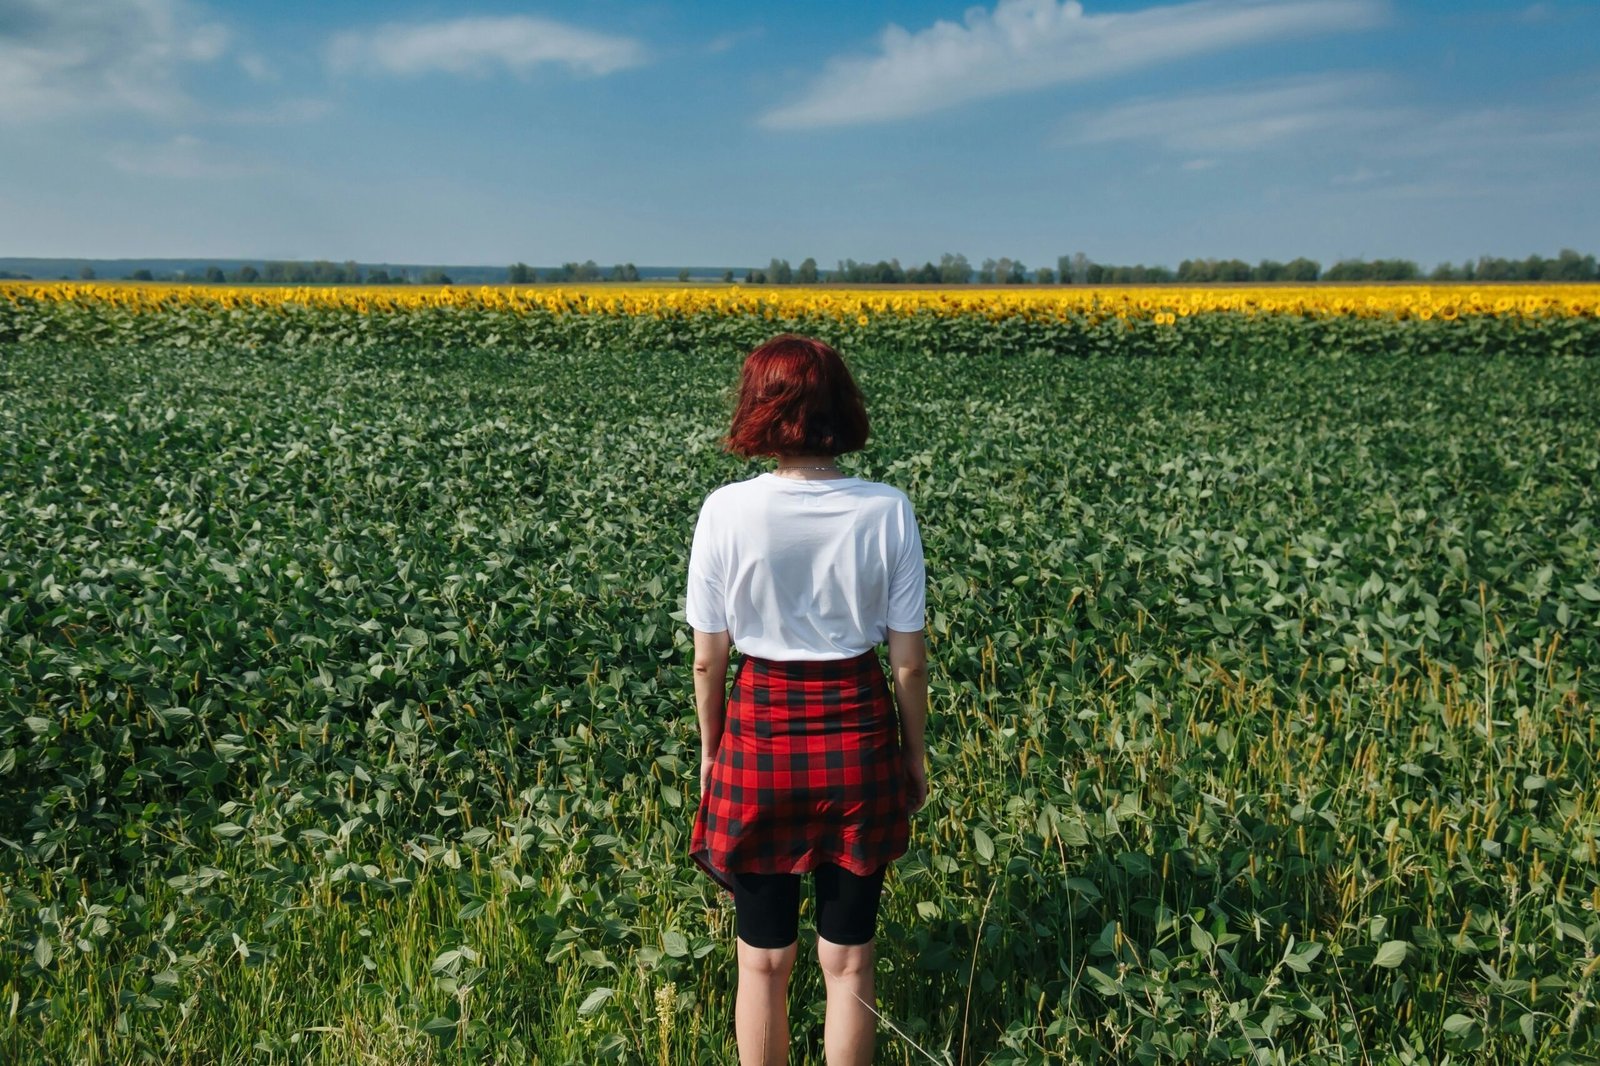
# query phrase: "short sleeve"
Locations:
[[908, 580], [704, 607]]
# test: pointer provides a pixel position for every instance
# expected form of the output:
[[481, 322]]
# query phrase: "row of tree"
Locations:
[[1079, 269], [588, 270], [1567, 266], [952, 269], [285, 272]]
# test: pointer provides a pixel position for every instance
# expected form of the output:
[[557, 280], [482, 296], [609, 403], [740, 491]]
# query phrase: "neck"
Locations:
[[807, 466]]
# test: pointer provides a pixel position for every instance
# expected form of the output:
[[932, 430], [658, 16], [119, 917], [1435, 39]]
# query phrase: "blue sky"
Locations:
[[729, 133]]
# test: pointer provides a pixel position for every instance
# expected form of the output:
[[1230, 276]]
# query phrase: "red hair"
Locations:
[[796, 397]]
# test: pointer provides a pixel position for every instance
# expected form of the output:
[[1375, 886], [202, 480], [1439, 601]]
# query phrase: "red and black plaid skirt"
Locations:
[[809, 771]]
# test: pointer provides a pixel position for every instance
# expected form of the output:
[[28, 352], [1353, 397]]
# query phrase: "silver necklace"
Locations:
[[830, 468]]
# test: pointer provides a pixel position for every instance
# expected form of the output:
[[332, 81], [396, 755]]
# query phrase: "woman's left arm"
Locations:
[[710, 694]]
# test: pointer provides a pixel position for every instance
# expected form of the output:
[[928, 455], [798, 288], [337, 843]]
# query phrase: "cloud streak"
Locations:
[[100, 55], [1025, 45], [480, 46], [185, 158], [1358, 119], [1247, 119]]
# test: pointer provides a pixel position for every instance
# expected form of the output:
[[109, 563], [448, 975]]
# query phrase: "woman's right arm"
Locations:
[[710, 695], [908, 662]]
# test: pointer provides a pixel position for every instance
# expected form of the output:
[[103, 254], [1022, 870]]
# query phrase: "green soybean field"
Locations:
[[346, 713]]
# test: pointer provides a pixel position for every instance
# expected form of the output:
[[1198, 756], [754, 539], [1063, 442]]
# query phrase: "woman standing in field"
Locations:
[[804, 767]]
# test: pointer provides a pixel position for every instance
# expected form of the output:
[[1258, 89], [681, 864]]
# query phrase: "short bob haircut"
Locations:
[[796, 397]]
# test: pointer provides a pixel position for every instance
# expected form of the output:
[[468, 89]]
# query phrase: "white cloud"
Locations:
[[283, 112], [1498, 136], [722, 42], [96, 55], [1360, 124], [257, 68], [1242, 120], [517, 43], [185, 157], [1031, 44]]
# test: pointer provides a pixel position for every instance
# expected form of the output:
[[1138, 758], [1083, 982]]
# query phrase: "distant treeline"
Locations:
[[951, 269], [1079, 269], [278, 272]]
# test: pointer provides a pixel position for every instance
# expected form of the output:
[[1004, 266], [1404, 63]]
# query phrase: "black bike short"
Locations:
[[767, 906]]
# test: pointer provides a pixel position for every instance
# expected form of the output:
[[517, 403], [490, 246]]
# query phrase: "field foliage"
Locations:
[[345, 711]]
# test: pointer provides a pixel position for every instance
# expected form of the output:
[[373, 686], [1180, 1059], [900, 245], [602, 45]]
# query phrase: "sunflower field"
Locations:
[[346, 717], [1504, 319]]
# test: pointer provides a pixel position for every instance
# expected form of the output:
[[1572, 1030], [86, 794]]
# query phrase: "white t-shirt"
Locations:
[[796, 569]]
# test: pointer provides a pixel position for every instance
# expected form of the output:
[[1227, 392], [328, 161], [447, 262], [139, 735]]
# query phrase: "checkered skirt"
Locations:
[[809, 771]]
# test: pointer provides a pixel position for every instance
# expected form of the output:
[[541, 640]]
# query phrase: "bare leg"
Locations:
[[761, 1009], [851, 1027]]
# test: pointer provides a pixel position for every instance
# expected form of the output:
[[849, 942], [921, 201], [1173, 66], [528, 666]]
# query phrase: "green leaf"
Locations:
[[1300, 958], [1103, 982], [1391, 954], [441, 1027], [594, 1000], [984, 844], [675, 943]]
